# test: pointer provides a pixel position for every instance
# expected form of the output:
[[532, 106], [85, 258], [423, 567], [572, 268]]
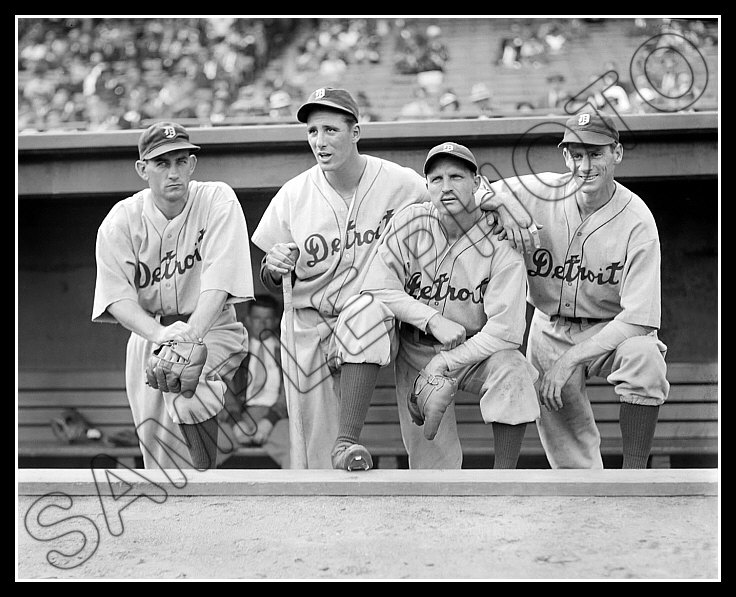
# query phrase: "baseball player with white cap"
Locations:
[[321, 230], [172, 260], [459, 295], [592, 255]]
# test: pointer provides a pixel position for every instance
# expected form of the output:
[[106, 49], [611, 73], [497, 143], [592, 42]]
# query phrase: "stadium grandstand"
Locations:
[[101, 74]]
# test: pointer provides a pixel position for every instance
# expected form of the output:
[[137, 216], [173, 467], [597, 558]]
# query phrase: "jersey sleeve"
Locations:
[[504, 300], [420, 193], [275, 225], [116, 266], [226, 249], [641, 294]]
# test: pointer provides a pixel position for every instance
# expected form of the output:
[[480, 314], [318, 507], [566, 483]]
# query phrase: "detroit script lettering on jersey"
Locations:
[[441, 289], [571, 269], [170, 265], [320, 248], [605, 265]]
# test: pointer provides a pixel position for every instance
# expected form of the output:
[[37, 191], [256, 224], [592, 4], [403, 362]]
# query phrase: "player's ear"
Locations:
[[356, 132], [140, 168], [192, 162], [566, 157], [618, 153]]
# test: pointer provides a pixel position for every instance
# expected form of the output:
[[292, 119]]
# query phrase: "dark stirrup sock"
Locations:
[[357, 382], [637, 423], [507, 441], [202, 441]]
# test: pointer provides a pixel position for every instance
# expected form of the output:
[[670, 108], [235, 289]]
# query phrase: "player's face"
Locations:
[[260, 319], [332, 139], [592, 166], [451, 187], [168, 175]]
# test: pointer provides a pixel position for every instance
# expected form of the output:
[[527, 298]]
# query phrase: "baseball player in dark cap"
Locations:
[[172, 260], [592, 255], [458, 293], [321, 230]]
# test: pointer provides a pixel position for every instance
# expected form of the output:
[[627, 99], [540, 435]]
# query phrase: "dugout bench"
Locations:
[[687, 432]]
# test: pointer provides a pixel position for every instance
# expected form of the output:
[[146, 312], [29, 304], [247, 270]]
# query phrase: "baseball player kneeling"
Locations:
[[172, 261], [458, 294], [593, 266]]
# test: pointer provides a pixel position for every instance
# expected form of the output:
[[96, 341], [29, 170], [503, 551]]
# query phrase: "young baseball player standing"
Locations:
[[593, 265], [171, 261], [459, 295], [321, 229]]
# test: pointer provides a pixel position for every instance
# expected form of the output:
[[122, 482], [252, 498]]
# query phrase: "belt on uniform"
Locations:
[[586, 320], [167, 320], [417, 336]]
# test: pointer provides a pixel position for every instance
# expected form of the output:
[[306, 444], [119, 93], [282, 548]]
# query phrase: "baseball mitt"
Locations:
[[175, 366], [72, 428], [429, 399]]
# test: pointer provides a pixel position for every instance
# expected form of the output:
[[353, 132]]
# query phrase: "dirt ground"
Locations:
[[377, 537]]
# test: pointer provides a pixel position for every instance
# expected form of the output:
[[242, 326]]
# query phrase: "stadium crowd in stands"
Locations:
[[98, 74], [110, 73]]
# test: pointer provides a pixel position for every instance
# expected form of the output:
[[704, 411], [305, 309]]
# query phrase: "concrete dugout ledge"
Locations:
[[466, 482]]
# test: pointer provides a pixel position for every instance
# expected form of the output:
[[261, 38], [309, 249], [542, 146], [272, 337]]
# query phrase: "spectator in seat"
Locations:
[[480, 97]]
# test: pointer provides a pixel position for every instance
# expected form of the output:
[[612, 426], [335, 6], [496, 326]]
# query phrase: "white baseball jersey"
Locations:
[[336, 241], [604, 267], [477, 281], [164, 264], [336, 238]]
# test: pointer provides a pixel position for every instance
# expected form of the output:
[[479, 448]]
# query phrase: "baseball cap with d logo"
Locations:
[[454, 149], [590, 128], [163, 137], [329, 97]]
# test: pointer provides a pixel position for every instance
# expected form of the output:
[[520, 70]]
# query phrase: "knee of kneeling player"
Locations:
[[640, 351], [362, 331], [511, 364], [509, 395], [640, 372], [206, 402]]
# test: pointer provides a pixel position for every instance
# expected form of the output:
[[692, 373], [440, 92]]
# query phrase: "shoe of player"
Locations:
[[351, 457]]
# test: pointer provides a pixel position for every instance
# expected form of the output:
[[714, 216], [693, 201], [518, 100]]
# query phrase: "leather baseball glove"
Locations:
[[175, 366], [72, 428], [429, 399]]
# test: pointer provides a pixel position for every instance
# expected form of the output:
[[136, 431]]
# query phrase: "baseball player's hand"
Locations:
[[550, 387], [264, 430], [448, 332], [514, 221], [179, 330], [281, 259], [437, 365], [522, 238], [490, 200]]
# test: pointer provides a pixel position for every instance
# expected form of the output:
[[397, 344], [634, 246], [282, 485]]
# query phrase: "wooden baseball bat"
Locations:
[[297, 441]]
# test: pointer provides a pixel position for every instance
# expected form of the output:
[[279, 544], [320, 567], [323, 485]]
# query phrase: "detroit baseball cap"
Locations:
[[454, 149], [163, 137], [329, 97], [590, 128]]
